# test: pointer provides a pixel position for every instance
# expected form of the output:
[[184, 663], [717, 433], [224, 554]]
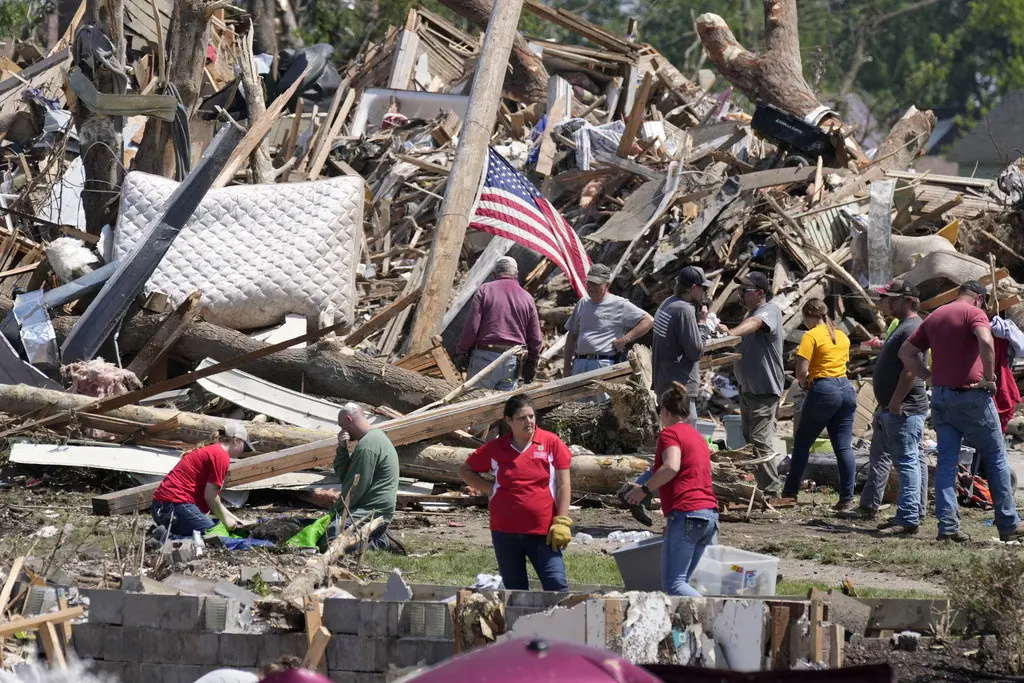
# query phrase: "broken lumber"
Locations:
[[189, 427], [170, 331]]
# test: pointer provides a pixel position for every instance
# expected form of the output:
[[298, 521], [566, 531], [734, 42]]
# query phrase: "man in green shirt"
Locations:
[[375, 461]]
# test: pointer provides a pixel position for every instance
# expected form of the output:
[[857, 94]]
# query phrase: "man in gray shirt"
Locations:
[[678, 344], [759, 372], [602, 325]]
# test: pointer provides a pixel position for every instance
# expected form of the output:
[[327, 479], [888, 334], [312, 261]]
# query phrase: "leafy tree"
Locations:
[[19, 18]]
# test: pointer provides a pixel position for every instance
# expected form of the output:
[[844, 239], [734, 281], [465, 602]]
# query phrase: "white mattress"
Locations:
[[256, 252]]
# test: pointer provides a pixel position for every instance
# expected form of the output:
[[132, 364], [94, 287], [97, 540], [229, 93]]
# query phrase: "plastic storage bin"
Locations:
[[640, 565], [734, 432], [724, 570], [706, 428]]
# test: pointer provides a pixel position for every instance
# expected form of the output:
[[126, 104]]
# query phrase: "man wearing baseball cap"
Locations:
[[902, 432], [759, 372], [192, 488], [602, 325], [678, 344], [963, 382]]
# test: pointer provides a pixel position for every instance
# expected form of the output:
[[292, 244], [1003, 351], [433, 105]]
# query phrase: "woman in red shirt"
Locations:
[[682, 477], [529, 497]]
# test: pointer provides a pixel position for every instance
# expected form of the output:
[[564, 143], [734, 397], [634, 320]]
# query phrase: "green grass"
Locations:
[[802, 588], [458, 565]]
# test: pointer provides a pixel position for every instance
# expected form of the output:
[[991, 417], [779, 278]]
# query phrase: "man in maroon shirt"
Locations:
[[502, 315], [963, 382]]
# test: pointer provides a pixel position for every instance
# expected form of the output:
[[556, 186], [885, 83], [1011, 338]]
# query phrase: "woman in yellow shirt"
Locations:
[[831, 400]]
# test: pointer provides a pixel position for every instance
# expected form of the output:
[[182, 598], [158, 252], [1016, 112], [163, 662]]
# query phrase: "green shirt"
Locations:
[[375, 460]]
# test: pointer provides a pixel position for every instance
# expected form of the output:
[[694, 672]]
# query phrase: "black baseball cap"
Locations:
[[974, 287], [898, 288], [693, 275], [757, 281]]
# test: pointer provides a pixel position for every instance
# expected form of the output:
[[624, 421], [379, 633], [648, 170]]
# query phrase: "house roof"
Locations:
[[996, 139]]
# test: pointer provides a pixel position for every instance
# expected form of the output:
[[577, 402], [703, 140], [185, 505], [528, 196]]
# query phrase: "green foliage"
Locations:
[[990, 594], [350, 25], [18, 18]]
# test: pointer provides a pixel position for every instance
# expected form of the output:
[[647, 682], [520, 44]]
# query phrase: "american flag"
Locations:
[[511, 207]]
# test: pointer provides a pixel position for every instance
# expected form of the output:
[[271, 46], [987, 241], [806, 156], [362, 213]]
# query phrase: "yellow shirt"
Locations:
[[825, 358]]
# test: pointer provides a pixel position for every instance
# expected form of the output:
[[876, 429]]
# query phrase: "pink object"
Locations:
[[949, 332], [502, 313], [526, 660], [296, 676]]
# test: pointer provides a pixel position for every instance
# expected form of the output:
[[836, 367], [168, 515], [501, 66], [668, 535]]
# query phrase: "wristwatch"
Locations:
[[647, 491]]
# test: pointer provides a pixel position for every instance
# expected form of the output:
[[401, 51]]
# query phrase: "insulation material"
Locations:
[[99, 379], [648, 622], [256, 252], [70, 258]]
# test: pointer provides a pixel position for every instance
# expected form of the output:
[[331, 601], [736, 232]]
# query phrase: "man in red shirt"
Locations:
[[501, 315], [192, 488], [529, 497], [963, 382]]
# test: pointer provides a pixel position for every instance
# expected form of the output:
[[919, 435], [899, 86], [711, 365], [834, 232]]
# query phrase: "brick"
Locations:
[[180, 612], [132, 639], [358, 653], [87, 640], [142, 610], [426, 619], [342, 616], [105, 606], [239, 650]]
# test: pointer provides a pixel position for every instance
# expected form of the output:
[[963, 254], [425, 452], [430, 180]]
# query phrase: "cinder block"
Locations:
[[380, 617], [87, 639], [142, 610], [426, 620], [342, 616], [413, 651], [225, 615], [274, 645], [181, 673], [194, 648], [105, 606], [132, 673], [108, 670], [542, 599], [239, 650], [113, 643], [359, 653], [180, 612], [151, 672], [356, 677], [513, 614], [132, 639]]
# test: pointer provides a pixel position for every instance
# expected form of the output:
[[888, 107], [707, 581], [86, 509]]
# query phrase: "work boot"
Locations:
[[843, 505], [1016, 534], [860, 513], [894, 528], [955, 537]]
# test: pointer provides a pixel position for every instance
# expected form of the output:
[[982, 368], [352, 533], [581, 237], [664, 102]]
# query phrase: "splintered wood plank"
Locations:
[[166, 336]]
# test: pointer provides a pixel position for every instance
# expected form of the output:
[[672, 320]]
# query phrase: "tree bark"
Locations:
[[262, 170], [602, 474], [774, 76], [186, 55], [528, 81], [191, 427], [905, 141], [264, 28]]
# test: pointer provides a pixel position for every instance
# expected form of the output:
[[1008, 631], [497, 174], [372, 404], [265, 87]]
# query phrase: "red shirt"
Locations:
[[691, 488], [949, 333], [186, 483], [524, 483], [502, 313]]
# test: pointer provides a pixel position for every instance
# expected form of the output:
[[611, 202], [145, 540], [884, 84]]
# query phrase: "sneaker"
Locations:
[[955, 537], [844, 505], [892, 528], [860, 513], [1016, 535]]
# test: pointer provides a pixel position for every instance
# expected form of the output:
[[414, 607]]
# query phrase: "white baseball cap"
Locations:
[[235, 430]]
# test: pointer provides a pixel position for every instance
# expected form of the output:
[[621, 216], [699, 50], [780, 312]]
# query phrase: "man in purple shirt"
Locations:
[[502, 315]]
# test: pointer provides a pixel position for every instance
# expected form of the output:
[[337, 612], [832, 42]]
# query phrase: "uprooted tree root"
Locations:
[[990, 596]]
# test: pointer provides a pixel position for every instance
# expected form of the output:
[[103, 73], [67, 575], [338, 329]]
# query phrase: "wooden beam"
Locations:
[[379, 321], [317, 647], [467, 168], [170, 331], [950, 294], [580, 26], [31, 623], [401, 431], [636, 116], [324, 150], [52, 646], [12, 577]]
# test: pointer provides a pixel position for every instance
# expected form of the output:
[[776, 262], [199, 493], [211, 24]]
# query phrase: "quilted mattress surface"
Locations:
[[256, 252]]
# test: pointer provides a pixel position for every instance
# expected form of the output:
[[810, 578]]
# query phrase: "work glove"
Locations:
[[639, 512], [986, 384], [559, 533], [462, 361], [529, 370]]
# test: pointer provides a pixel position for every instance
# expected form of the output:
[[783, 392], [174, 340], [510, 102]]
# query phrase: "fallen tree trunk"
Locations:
[[528, 79], [188, 427], [602, 474]]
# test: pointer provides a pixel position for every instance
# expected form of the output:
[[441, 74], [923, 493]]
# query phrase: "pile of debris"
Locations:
[[329, 213]]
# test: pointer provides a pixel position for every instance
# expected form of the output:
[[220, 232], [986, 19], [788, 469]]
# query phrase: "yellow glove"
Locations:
[[559, 533]]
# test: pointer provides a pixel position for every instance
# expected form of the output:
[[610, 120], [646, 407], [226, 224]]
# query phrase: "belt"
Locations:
[[597, 356], [959, 390], [494, 347]]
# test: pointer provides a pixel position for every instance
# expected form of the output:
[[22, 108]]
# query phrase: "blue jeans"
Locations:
[[903, 434], [686, 536], [180, 518], [505, 377], [970, 415], [830, 404], [581, 365], [512, 551]]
